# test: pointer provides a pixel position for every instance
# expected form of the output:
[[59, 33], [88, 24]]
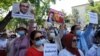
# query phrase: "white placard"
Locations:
[[50, 49], [93, 17], [22, 10]]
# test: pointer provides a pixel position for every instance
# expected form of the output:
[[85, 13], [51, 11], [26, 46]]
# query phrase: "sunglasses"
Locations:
[[75, 40], [39, 38]]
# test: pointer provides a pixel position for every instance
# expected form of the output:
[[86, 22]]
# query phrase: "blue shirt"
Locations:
[[94, 51]]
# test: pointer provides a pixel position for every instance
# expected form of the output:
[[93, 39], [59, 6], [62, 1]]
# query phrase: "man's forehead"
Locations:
[[26, 4]]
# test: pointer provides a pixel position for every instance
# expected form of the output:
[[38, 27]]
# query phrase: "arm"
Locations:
[[87, 33], [88, 29]]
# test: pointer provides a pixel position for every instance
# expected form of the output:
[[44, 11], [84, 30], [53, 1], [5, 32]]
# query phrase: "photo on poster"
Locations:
[[55, 16], [22, 10]]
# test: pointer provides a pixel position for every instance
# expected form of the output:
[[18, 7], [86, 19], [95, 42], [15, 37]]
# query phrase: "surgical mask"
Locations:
[[78, 32], [21, 33], [40, 42], [52, 35]]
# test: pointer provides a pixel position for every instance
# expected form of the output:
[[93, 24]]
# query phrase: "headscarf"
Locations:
[[67, 42]]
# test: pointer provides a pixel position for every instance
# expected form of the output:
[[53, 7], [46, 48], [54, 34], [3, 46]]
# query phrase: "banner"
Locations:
[[55, 16], [22, 10], [50, 49], [93, 17]]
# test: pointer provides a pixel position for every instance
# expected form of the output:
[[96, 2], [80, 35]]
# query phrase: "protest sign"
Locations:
[[22, 10], [50, 49], [55, 16], [93, 17]]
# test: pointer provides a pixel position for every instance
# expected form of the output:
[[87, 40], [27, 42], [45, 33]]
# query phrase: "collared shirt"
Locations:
[[94, 51], [23, 14]]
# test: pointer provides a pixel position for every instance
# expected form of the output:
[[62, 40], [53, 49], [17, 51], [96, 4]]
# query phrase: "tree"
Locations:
[[40, 9], [95, 8]]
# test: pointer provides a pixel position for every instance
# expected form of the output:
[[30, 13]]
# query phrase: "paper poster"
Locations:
[[55, 16], [50, 49], [22, 10], [93, 17]]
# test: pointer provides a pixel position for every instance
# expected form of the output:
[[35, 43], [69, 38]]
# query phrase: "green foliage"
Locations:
[[5, 4], [95, 8], [40, 9], [13, 24]]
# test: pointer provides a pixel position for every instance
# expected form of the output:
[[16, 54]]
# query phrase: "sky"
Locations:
[[66, 5]]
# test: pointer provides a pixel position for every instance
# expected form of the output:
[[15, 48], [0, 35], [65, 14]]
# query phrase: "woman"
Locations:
[[37, 41], [70, 43], [95, 49]]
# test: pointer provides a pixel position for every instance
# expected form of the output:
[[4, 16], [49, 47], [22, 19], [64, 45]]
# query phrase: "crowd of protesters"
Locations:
[[30, 42]]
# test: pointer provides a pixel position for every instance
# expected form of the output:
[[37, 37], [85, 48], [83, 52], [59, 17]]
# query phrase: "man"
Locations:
[[24, 8], [81, 44], [20, 44]]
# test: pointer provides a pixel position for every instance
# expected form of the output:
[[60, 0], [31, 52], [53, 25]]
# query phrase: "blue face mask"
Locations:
[[78, 32], [21, 33], [40, 42]]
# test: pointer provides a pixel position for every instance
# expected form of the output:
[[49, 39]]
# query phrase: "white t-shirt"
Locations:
[[65, 52]]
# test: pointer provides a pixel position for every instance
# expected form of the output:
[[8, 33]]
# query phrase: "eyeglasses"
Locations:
[[24, 6], [38, 38], [75, 40]]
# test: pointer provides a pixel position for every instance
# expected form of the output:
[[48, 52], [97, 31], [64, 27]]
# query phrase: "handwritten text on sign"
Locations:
[[50, 49], [93, 17]]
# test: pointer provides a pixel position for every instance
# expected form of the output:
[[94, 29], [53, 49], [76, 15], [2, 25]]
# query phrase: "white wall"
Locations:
[[82, 13]]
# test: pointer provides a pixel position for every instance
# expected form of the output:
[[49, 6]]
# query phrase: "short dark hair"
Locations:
[[73, 27], [96, 35], [23, 2]]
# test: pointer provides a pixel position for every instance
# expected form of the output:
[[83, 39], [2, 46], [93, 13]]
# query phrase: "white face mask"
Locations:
[[40, 42], [78, 32], [52, 35]]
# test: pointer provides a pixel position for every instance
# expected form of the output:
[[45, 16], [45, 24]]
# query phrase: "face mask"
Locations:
[[21, 33], [40, 42], [78, 32], [52, 35]]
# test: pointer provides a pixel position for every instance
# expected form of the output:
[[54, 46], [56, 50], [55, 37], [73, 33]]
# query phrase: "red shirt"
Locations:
[[33, 52]]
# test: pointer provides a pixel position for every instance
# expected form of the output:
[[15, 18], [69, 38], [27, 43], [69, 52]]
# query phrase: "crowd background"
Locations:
[[26, 41]]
